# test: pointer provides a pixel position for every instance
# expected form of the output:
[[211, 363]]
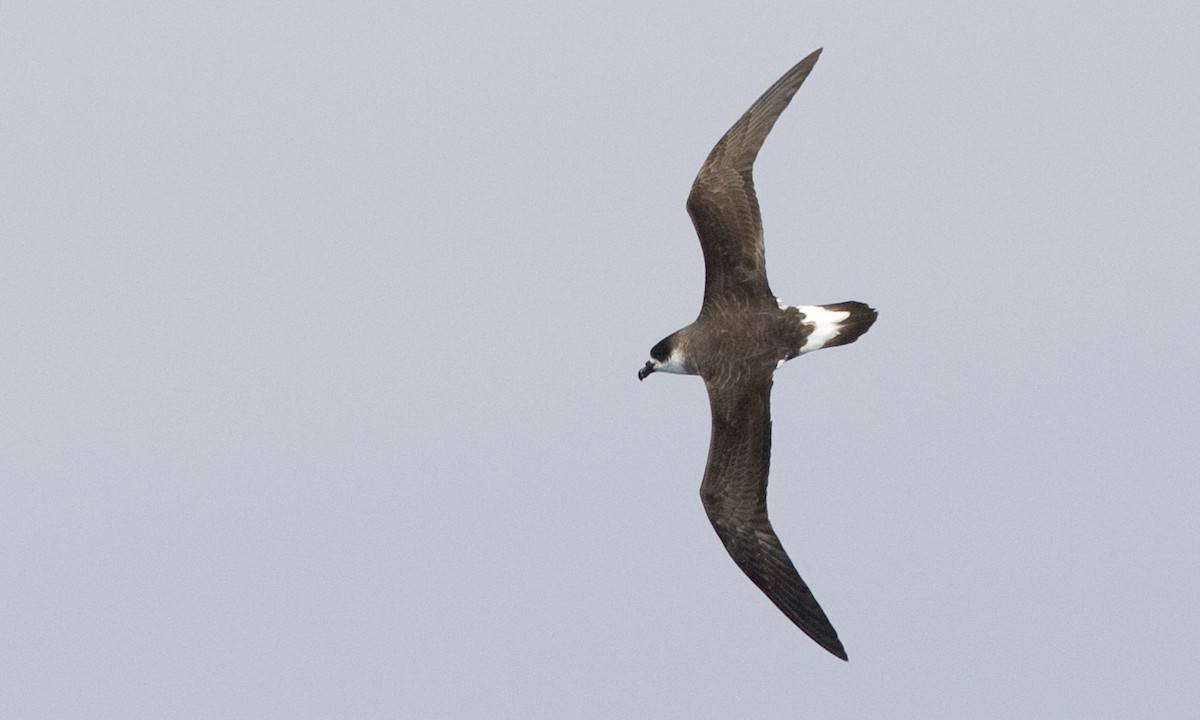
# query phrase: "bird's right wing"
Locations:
[[723, 205]]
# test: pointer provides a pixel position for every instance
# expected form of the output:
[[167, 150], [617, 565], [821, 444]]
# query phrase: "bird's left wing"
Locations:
[[734, 492]]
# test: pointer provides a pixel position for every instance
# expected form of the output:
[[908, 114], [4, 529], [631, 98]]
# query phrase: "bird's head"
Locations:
[[665, 357]]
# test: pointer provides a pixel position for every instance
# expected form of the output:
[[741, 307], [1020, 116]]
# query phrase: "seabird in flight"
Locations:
[[743, 334]]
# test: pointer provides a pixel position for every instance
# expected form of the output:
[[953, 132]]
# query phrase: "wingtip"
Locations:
[[810, 60], [834, 646]]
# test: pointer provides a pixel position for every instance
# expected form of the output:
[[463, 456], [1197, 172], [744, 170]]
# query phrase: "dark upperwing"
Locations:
[[734, 493], [723, 205]]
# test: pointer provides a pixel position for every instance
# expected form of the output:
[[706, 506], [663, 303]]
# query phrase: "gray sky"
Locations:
[[319, 331]]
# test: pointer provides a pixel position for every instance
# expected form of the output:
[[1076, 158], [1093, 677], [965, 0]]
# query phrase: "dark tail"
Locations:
[[853, 327], [823, 326]]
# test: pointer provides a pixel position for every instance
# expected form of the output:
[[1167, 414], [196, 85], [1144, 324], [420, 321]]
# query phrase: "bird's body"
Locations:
[[743, 334]]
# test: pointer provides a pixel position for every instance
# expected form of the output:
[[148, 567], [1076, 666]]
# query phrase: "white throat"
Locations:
[[673, 364]]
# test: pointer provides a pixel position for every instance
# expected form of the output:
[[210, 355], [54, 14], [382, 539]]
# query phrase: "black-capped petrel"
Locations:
[[743, 334]]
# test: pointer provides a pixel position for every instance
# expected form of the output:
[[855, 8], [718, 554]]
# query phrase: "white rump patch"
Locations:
[[826, 325]]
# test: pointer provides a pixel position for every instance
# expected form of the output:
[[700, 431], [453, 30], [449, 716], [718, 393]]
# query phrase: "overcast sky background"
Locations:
[[319, 329]]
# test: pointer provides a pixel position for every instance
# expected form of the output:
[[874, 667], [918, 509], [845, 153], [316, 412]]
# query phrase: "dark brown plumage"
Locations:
[[742, 335]]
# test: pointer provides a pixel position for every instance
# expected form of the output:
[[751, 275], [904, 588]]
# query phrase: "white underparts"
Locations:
[[826, 324]]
